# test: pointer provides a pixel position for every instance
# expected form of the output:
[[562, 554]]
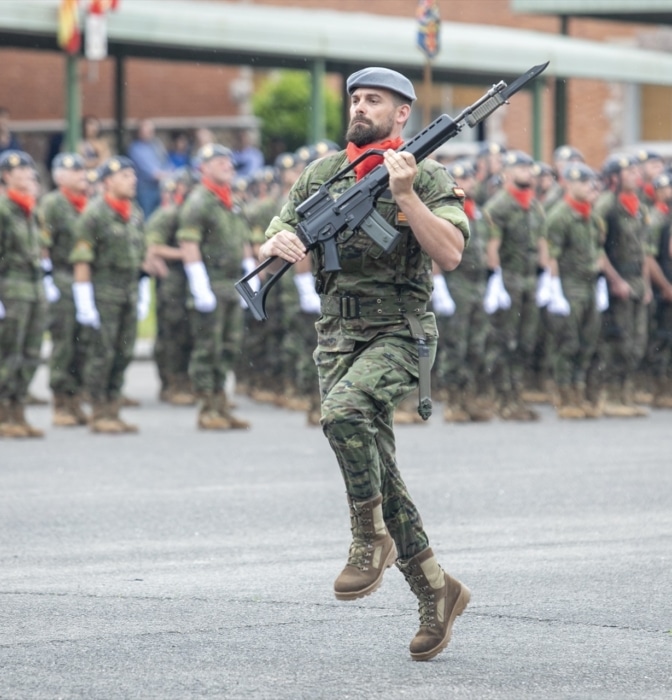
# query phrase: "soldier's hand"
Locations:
[[286, 245], [620, 289], [403, 170]]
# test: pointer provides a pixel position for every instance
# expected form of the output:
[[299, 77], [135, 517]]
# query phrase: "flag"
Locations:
[[429, 24], [69, 36]]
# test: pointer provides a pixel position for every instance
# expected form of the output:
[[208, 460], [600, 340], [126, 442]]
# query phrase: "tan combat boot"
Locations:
[[209, 417], [17, 416], [63, 416], [314, 413], [662, 394], [619, 404], [181, 393], [8, 428], [372, 551], [512, 407], [114, 408], [224, 409], [102, 420], [75, 402], [440, 600], [592, 400], [478, 411], [454, 411], [568, 407]]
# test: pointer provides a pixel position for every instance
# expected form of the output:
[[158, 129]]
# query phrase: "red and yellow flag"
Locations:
[[69, 36]]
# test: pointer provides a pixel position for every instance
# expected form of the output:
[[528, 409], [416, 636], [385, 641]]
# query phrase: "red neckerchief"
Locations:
[[630, 202], [120, 206], [649, 190], [581, 208], [223, 192], [523, 197], [77, 200], [368, 164], [470, 208], [25, 201], [662, 207], [178, 199]]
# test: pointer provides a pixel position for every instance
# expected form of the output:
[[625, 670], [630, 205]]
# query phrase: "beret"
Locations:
[[541, 168], [490, 148], [285, 161], [460, 169], [578, 172], [213, 150], [513, 158], [114, 165], [381, 78], [15, 159], [643, 155], [567, 153], [615, 163], [68, 161], [663, 180]]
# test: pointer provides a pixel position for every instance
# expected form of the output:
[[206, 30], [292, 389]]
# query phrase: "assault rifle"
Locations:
[[323, 217]]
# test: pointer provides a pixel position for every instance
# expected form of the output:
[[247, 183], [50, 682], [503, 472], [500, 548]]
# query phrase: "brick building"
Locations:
[[601, 116]]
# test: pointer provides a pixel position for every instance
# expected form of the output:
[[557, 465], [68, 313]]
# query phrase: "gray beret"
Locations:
[[381, 78], [68, 161]]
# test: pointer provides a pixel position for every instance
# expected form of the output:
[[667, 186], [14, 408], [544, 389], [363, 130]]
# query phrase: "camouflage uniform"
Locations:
[[576, 244], [22, 294], [57, 218], [515, 329], [114, 249], [221, 235], [173, 335], [366, 355]]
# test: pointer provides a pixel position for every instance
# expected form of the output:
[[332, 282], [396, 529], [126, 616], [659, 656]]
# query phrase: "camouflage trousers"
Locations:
[[575, 338], [298, 345], [20, 341], [460, 357], [217, 344], [360, 390], [659, 352], [623, 338], [174, 342], [515, 333], [109, 349], [68, 353]]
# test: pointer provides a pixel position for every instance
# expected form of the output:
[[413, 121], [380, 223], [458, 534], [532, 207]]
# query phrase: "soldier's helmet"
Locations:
[[306, 154], [264, 175], [513, 158], [643, 155], [15, 159], [461, 169], [212, 150], [578, 172], [617, 162], [325, 146], [68, 161], [568, 153]]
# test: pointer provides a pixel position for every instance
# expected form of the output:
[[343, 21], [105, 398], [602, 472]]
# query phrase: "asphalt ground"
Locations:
[[180, 564]]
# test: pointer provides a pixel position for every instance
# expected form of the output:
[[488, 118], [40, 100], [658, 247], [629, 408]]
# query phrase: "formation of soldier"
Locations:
[[563, 295]]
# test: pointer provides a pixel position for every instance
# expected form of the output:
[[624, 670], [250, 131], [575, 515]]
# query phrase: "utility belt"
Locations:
[[351, 307], [32, 275]]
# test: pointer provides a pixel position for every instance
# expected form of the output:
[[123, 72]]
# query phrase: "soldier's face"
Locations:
[[581, 191], [21, 179], [219, 169], [629, 178], [652, 168], [521, 175], [122, 184], [468, 184], [75, 180], [373, 116]]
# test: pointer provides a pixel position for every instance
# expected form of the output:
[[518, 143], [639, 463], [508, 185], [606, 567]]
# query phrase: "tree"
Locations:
[[283, 105]]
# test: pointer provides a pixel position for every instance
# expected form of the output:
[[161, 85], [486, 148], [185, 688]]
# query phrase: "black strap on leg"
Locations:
[[424, 384]]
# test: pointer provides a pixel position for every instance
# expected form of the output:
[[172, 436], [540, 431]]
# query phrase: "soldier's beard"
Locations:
[[363, 131]]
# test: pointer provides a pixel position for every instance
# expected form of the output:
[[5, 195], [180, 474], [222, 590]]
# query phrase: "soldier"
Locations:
[[373, 318], [463, 334], [515, 250], [624, 327], [174, 342], [562, 157], [22, 297], [107, 257], [575, 240], [659, 262], [488, 171], [213, 237], [651, 165], [57, 216]]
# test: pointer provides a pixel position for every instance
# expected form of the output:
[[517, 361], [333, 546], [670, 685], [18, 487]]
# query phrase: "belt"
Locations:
[[351, 306]]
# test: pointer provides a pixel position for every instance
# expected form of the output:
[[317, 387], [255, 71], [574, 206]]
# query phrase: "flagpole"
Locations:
[[427, 90], [72, 102]]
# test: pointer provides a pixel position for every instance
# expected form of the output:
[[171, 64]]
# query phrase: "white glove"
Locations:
[[51, 291], [144, 298], [558, 305], [87, 313], [502, 295], [496, 296], [205, 300], [442, 302], [309, 299], [543, 294], [2, 311], [601, 294]]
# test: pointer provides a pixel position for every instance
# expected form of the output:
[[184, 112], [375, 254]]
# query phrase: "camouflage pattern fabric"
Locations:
[[368, 364], [22, 295]]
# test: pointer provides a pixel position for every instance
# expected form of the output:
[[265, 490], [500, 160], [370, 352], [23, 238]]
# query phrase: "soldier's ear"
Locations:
[[403, 113]]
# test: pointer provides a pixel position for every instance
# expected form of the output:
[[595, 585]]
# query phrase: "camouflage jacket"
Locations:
[[473, 267], [20, 271], [57, 219], [519, 232], [625, 240], [161, 229], [114, 249], [221, 235], [658, 239], [367, 272], [577, 244]]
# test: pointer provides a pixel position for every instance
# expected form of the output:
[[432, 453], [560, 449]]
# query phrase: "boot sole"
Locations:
[[371, 588], [460, 604]]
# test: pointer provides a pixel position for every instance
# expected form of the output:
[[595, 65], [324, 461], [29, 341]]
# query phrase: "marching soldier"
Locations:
[[107, 258], [22, 296], [213, 237], [57, 216]]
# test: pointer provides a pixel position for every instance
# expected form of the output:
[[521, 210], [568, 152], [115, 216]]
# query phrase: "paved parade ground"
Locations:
[[178, 564]]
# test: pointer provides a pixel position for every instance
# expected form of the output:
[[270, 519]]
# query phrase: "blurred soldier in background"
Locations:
[[57, 216], [488, 171], [22, 295]]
